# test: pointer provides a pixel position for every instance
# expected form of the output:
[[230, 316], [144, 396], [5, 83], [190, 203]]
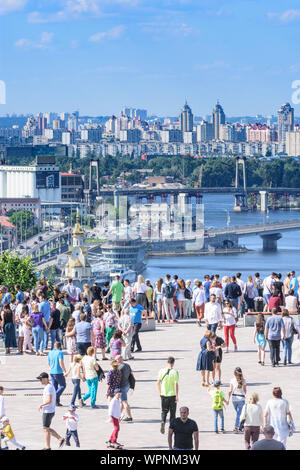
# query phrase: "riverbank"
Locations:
[[161, 254]]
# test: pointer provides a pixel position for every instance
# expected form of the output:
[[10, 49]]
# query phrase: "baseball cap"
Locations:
[[4, 418], [117, 390], [217, 383], [43, 375]]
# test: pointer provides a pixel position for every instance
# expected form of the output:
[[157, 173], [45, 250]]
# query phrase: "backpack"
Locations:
[[187, 294], [169, 290], [218, 400]]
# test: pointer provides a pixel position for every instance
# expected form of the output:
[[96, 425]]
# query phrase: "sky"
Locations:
[[97, 56]]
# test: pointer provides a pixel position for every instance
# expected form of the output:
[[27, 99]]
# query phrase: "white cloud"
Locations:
[[111, 34], [285, 17], [162, 26], [43, 43], [6, 6], [214, 65], [72, 9]]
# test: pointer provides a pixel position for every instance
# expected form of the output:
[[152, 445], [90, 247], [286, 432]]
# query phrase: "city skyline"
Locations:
[[97, 56]]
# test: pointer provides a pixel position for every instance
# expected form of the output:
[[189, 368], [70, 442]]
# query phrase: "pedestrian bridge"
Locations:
[[270, 232]]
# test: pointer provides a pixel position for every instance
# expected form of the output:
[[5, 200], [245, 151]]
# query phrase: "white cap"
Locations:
[[4, 418]]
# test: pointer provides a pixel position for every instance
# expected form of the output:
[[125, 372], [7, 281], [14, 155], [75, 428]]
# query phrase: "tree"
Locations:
[[17, 270]]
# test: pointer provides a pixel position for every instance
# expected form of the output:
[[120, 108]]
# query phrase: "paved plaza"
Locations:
[[23, 393]]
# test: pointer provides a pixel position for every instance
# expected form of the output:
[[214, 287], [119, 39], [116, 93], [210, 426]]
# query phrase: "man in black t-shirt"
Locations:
[[184, 430]]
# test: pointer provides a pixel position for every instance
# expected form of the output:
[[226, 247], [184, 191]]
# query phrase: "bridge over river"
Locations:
[[270, 232]]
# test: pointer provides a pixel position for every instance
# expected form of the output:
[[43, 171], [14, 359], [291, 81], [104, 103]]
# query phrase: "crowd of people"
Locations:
[[108, 319]]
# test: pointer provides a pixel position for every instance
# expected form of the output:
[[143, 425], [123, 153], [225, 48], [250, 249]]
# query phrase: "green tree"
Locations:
[[17, 270]]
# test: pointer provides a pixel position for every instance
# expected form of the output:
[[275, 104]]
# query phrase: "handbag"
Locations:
[[242, 423], [131, 381], [100, 373], [294, 331]]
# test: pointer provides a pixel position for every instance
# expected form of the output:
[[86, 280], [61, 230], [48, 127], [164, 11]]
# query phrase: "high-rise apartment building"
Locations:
[[186, 119], [205, 131], [285, 120], [293, 142], [218, 117]]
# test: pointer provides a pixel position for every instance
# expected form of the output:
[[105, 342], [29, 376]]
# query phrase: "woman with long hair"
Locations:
[[160, 310], [71, 340], [205, 358], [259, 338], [230, 317], [87, 293], [249, 293], [238, 392], [181, 298], [139, 291]]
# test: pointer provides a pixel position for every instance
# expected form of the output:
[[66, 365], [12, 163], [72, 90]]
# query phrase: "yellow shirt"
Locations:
[[8, 432]]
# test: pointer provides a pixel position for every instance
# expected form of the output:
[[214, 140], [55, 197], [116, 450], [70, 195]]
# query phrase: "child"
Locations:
[[114, 412], [72, 423], [9, 435], [27, 325], [71, 340], [218, 404], [110, 321], [76, 369]]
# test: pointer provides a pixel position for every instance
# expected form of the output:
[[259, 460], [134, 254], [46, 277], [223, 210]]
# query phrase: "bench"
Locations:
[[151, 324], [250, 317]]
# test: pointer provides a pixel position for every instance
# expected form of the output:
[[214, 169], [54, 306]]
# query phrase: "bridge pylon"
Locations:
[[240, 198]]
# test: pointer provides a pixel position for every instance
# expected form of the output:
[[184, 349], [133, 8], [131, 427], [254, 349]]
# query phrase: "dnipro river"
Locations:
[[216, 206]]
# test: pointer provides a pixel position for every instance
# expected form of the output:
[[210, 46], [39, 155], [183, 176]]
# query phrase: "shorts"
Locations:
[[47, 418], [116, 306], [260, 340], [124, 391]]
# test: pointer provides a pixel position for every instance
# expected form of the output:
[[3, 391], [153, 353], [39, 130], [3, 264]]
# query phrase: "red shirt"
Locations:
[[274, 302]]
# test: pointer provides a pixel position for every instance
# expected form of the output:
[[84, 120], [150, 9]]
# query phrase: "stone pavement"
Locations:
[[23, 392]]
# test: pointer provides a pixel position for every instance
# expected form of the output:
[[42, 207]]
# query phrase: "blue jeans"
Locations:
[[76, 390], [38, 338], [216, 414], [55, 336], [238, 406], [45, 337], [59, 383], [267, 298], [124, 391], [213, 327], [287, 348]]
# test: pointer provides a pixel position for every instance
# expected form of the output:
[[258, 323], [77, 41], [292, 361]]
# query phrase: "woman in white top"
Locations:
[[291, 302], [252, 413], [77, 312], [181, 298], [238, 392], [90, 366], [139, 290], [276, 414], [229, 316], [76, 375]]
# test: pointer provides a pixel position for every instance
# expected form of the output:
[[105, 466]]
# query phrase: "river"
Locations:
[[216, 206]]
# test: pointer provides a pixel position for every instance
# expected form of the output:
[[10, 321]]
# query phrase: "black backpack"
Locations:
[[169, 290], [187, 294]]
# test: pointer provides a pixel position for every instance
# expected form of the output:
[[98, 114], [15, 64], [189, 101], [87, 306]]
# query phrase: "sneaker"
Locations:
[[175, 321], [82, 402], [162, 427], [127, 419], [284, 363], [131, 358], [223, 431], [235, 431], [62, 442], [104, 359], [59, 404], [138, 350]]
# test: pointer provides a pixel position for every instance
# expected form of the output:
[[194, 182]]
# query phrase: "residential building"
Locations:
[[218, 117], [285, 120]]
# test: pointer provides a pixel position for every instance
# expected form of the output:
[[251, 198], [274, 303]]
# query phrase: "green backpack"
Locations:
[[218, 400]]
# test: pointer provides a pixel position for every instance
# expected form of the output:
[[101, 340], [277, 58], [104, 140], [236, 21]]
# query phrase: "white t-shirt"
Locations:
[[49, 390], [2, 409], [70, 422], [76, 315], [268, 283], [238, 394], [114, 408], [89, 362], [128, 292], [229, 320]]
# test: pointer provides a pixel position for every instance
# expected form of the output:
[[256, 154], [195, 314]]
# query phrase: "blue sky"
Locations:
[[100, 55]]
